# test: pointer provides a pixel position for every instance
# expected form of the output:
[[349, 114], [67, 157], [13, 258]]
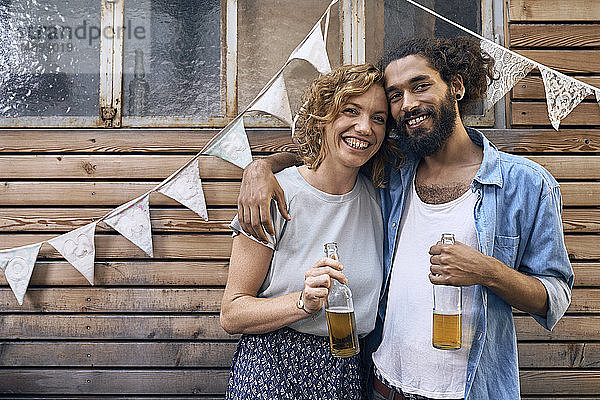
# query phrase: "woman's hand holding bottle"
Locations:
[[318, 282]]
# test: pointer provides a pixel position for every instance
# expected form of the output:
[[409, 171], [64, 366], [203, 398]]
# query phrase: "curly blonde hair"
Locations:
[[323, 101]]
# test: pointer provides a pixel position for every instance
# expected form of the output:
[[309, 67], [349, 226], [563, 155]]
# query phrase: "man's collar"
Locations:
[[489, 172]]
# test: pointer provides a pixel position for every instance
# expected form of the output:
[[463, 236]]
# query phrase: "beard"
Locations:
[[420, 141]]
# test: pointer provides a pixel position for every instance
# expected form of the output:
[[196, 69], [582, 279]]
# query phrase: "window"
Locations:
[[268, 32], [143, 63], [172, 62]]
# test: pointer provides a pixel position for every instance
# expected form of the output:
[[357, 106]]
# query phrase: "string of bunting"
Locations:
[[132, 219]]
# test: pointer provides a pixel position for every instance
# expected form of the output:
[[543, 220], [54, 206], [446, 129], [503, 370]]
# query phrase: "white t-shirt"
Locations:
[[353, 220], [406, 358]]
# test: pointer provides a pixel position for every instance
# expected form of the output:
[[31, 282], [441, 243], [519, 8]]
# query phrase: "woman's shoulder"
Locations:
[[291, 182]]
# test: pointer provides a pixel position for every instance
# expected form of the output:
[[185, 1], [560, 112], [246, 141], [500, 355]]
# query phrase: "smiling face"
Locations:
[[422, 104], [358, 131]]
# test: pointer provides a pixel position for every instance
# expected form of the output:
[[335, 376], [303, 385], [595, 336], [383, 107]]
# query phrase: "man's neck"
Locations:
[[448, 174], [459, 150]]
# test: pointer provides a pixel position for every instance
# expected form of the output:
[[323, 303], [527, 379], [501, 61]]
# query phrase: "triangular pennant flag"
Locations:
[[294, 124], [313, 50], [563, 94], [77, 247], [598, 96], [231, 144], [297, 116], [509, 68], [132, 220], [17, 265], [186, 188], [275, 101]]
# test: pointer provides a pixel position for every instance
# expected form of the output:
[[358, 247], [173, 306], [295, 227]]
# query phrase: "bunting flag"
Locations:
[[77, 247], [313, 50], [509, 68], [231, 144], [132, 220], [17, 265], [186, 188], [275, 101], [563, 94], [294, 124], [302, 108], [598, 96]]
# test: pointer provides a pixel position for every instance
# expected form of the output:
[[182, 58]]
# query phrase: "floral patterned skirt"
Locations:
[[289, 365]]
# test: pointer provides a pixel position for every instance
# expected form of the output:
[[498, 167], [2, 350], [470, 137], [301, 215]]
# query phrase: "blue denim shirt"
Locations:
[[518, 221]]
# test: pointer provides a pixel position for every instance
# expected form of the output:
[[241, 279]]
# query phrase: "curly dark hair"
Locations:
[[460, 56]]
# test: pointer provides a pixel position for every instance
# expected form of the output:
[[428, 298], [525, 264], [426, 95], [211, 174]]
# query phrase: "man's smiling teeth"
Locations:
[[417, 120], [356, 143]]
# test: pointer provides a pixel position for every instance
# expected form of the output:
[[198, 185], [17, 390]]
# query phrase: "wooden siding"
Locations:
[[565, 35], [149, 327], [553, 10]]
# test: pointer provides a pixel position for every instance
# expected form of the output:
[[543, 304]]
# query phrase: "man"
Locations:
[[503, 209]]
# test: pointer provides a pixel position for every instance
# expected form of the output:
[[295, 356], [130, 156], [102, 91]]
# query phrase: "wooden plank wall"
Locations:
[[565, 35], [149, 327]]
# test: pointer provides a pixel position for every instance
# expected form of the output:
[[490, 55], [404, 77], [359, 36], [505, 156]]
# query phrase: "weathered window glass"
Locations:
[[402, 20], [268, 32], [172, 58], [49, 58]]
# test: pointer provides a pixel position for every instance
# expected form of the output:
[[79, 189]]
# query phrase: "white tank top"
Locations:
[[406, 358]]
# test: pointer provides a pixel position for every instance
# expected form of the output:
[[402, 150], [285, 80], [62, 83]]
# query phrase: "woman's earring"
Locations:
[[459, 96]]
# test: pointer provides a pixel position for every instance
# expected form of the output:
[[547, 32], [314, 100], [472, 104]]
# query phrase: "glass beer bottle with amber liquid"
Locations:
[[447, 312], [339, 308]]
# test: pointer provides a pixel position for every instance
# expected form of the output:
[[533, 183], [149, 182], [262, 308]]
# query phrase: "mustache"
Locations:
[[418, 111]]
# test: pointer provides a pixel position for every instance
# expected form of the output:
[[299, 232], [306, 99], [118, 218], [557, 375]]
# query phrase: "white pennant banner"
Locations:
[[77, 247], [598, 96], [313, 50], [17, 265], [132, 220], [231, 144], [275, 101], [186, 188], [563, 94], [509, 68]]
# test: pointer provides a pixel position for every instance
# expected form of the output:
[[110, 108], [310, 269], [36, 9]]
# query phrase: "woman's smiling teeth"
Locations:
[[416, 121], [356, 143]]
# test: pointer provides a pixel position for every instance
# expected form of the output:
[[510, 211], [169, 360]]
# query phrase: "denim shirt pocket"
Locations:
[[506, 249]]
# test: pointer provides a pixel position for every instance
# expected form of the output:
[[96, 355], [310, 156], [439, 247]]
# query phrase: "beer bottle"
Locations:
[[138, 87], [447, 312], [339, 308]]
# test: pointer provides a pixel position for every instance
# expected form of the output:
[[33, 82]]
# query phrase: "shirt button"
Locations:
[[393, 224]]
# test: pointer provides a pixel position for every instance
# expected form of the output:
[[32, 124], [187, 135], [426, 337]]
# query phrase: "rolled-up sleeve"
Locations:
[[546, 258], [278, 225]]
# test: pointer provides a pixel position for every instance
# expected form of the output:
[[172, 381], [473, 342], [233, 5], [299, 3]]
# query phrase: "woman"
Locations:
[[275, 291]]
